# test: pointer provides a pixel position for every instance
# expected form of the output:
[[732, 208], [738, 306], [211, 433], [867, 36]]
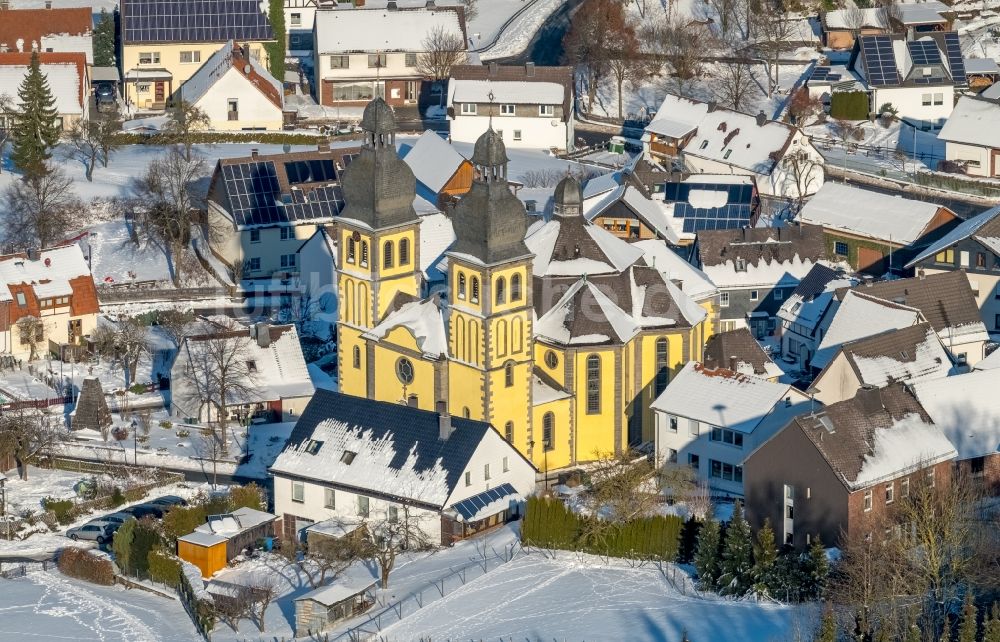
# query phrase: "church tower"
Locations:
[[378, 236], [489, 276]]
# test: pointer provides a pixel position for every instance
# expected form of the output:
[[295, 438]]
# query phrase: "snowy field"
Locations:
[[538, 597], [48, 606]]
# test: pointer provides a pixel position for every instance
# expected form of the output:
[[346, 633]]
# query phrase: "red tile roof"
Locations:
[[31, 24], [47, 57]]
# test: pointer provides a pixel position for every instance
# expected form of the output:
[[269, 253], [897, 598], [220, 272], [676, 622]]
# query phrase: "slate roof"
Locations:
[[878, 434], [965, 408], [166, 21], [945, 299], [755, 244], [860, 315], [740, 343], [405, 456], [908, 355], [984, 227]]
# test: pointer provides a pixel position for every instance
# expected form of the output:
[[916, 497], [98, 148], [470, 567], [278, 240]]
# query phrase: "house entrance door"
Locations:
[[159, 92]]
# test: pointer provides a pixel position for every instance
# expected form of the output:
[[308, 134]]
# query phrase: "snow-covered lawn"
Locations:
[[563, 596], [116, 260], [49, 606], [28, 495]]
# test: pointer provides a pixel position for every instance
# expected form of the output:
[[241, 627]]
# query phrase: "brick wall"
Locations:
[[860, 521]]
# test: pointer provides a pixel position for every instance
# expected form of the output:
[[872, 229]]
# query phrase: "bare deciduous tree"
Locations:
[[31, 332], [443, 49], [40, 210], [735, 86], [854, 19], [166, 203], [471, 8], [108, 128], [622, 486], [184, 121], [326, 557], [626, 62], [395, 533], [684, 47], [590, 40], [83, 145], [680, 482], [25, 434], [804, 172], [175, 324], [771, 34], [263, 587]]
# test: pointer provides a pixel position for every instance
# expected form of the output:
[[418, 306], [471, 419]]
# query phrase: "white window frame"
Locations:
[[754, 295], [298, 492], [295, 19], [508, 109], [469, 109], [723, 299], [869, 502], [546, 111], [151, 57], [193, 57], [517, 134]]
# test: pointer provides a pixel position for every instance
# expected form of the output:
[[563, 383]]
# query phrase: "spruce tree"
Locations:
[[967, 630], [827, 627], [819, 566], [706, 556], [991, 627], [35, 130], [104, 40], [737, 555], [765, 555]]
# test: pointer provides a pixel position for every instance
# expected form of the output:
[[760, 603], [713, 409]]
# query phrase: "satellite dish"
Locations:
[[554, 122], [247, 69]]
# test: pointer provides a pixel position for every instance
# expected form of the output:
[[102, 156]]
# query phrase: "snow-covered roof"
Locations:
[[653, 212], [843, 19], [518, 92], [357, 578], [437, 233], [378, 447], [989, 362], [553, 324], [57, 272], [910, 355], [64, 80], [907, 444], [914, 13], [871, 214], [360, 30], [433, 160], [425, 321], [693, 282], [973, 122], [228, 59], [981, 66], [201, 538], [860, 316], [544, 391], [969, 228], [59, 29], [723, 398], [602, 184], [965, 408], [766, 257], [613, 256], [677, 117], [334, 527], [813, 296]]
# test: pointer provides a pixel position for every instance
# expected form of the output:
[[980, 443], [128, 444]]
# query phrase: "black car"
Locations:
[[168, 501], [104, 90], [142, 510]]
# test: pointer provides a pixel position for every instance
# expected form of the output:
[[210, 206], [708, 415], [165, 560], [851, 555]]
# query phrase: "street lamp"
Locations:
[[3, 494]]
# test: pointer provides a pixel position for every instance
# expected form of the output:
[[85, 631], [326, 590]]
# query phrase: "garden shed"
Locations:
[[351, 594], [213, 544], [204, 550]]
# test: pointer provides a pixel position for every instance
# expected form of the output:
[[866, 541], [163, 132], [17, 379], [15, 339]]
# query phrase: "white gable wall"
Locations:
[[976, 160], [536, 132], [255, 110], [908, 101]]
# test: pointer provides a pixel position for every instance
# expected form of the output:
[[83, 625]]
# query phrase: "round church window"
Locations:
[[404, 370], [551, 360]]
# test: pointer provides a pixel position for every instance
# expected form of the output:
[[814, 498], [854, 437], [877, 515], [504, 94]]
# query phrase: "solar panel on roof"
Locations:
[[194, 21], [953, 50], [469, 508], [924, 52], [880, 61], [256, 199]]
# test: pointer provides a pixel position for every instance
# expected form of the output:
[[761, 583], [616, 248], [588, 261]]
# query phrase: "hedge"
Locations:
[[548, 523], [63, 509], [849, 105], [164, 568], [81, 564], [211, 138]]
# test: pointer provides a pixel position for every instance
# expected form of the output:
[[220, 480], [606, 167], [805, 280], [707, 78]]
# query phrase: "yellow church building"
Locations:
[[553, 330]]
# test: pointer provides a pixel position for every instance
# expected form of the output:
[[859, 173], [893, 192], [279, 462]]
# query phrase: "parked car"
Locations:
[[142, 510], [116, 518], [95, 532], [168, 501]]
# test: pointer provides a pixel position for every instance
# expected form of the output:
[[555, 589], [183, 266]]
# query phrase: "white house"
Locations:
[[68, 77], [711, 419], [318, 270], [971, 136], [300, 16], [275, 382], [531, 107], [801, 314], [354, 459], [236, 91], [363, 53], [916, 76]]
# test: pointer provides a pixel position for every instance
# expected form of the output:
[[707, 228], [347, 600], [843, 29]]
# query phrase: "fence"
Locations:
[[393, 612], [130, 295]]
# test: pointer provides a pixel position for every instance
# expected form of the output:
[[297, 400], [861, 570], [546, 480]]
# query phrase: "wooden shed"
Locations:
[[207, 551], [351, 594]]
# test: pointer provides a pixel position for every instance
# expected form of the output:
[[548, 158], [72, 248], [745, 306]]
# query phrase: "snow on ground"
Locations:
[[116, 260], [519, 33], [27, 496], [49, 606], [561, 595]]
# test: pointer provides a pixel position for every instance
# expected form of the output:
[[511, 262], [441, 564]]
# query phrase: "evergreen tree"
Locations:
[[765, 555], [706, 556], [818, 566], [276, 50], [104, 40], [827, 627], [913, 633], [737, 555], [991, 627], [35, 129], [121, 546], [967, 630]]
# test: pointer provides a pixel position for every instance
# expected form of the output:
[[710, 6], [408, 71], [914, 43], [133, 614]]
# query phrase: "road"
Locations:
[[546, 47]]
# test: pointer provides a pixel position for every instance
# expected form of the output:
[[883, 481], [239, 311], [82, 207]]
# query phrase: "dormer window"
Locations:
[[21, 301], [741, 265], [313, 446], [251, 366], [348, 457], [704, 144]]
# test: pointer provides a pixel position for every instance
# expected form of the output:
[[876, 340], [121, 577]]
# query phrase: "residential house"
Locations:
[[840, 469], [965, 408], [54, 286], [907, 355], [918, 76], [874, 232], [51, 30], [363, 53], [68, 77], [918, 18], [529, 106], [274, 381], [300, 16], [355, 459], [692, 281], [756, 269], [709, 418], [318, 265], [948, 303], [631, 214], [856, 316], [971, 139], [840, 26], [739, 351], [164, 42], [802, 313], [236, 91], [264, 208], [972, 248], [438, 167], [713, 140]]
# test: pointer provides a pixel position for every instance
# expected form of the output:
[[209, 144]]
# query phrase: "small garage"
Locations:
[[207, 551]]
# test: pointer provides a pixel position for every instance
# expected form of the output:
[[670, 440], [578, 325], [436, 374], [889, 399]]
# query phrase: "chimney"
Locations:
[[494, 68], [412, 401], [712, 106], [262, 332], [254, 153], [430, 5], [391, 5], [444, 421], [921, 274], [761, 118], [323, 145], [529, 69], [3, 47], [48, 4]]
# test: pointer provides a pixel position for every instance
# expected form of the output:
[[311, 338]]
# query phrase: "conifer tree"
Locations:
[[737, 555], [706, 556], [35, 131], [765, 555], [819, 566], [967, 630], [104, 40], [991, 627], [827, 627]]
